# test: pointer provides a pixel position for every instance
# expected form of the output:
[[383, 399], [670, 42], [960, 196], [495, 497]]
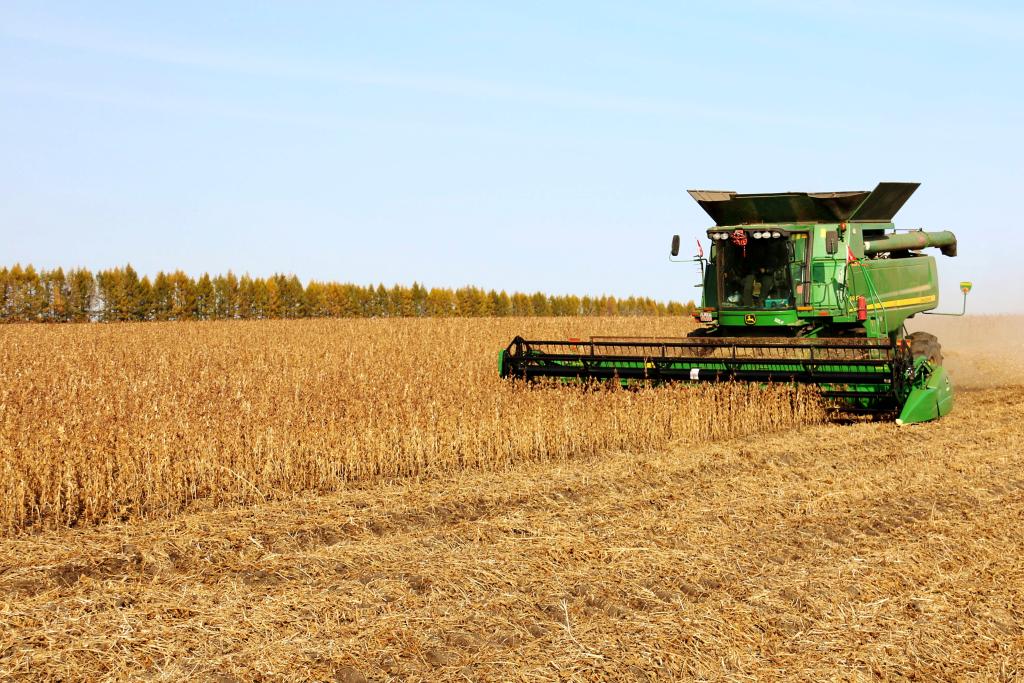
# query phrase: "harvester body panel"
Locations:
[[904, 287]]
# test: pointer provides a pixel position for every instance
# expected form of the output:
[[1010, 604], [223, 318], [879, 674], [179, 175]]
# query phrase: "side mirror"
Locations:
[[675, 245], [832, 241]]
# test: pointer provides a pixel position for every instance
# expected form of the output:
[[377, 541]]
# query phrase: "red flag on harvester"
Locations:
[[739, 238], [700, 250]]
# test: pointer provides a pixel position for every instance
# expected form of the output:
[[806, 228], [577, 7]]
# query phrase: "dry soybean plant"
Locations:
[[140, 420]]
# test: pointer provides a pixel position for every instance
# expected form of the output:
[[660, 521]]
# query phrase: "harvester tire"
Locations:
[[924, 344], [703, 333]]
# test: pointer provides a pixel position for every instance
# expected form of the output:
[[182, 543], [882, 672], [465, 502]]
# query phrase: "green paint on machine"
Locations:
[[798, 287], [929, 401]]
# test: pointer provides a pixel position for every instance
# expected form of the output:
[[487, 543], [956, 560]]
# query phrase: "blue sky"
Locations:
[[541, 146]]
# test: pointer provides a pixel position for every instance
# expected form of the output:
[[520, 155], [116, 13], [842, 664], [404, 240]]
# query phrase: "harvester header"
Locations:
[[798, 287]]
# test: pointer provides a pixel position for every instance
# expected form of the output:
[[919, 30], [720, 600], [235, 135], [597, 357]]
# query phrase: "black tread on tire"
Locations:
[[927, 345]]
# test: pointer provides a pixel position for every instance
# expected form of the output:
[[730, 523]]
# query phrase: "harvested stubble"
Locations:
[[125, 421], [861, 552]]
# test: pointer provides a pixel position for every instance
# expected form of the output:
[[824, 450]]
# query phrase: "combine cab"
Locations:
[[798, 287]]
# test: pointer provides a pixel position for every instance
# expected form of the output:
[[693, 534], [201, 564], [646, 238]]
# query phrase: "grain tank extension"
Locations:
[[798, 287]]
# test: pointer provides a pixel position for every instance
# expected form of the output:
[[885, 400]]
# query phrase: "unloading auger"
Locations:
[[798, 287]]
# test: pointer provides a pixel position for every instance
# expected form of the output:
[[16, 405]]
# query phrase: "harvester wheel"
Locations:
[[703, 333], [923, 344]]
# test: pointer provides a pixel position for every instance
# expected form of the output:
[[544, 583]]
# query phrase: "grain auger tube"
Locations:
[[798, 287]]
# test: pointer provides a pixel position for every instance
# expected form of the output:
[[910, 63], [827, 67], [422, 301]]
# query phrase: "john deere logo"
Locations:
[[750, 319]]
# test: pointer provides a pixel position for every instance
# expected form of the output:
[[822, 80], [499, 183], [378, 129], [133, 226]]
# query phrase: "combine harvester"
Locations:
[[798, 287]]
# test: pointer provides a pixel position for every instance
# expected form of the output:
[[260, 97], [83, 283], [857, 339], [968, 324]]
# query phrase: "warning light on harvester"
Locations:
[[965, 287], [767, 234]]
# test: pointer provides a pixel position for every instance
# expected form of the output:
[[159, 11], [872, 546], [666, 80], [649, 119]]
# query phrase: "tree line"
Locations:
[[119, 294]]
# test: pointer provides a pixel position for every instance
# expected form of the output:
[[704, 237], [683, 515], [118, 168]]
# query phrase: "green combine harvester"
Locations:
[[798, 287]]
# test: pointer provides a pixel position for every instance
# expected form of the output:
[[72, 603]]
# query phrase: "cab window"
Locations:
[[759, 275]]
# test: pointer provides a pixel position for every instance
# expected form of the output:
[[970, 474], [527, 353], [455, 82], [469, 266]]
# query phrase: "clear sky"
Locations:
[[523, 146]]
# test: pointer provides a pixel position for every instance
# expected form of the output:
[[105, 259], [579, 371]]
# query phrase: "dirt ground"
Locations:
[[851, 552]]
